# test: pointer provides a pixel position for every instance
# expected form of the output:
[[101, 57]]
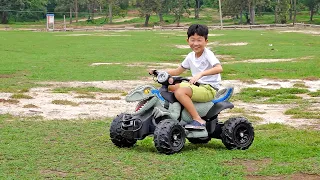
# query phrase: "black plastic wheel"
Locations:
[[237, 133], [204, 140], [115, 133], [169, 137]]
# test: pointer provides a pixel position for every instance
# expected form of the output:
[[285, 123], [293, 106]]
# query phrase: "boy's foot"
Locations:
[[195, 125]]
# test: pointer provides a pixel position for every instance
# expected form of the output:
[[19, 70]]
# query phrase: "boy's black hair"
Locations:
[[199, 29]]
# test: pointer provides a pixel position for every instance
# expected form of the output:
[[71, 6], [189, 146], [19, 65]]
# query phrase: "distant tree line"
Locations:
[[33, 10]]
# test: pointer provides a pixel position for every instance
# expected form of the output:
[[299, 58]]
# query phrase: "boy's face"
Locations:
[[197, 43]]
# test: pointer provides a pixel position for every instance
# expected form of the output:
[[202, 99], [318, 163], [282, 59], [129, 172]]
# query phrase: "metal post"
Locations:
[[64, 23], [221, 25]]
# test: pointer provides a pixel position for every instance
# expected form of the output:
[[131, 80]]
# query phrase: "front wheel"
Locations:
[[237, 133], [116, 130], [169, 137]]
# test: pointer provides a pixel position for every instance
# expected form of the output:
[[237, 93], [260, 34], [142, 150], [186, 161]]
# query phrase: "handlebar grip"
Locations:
[[197, 84], [154, 72]]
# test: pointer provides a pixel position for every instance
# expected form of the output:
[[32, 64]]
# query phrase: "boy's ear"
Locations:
[[187, 40]]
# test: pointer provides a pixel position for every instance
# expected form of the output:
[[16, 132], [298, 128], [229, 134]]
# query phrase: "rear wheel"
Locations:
[[237, 133], [116, 130], [169, 137]]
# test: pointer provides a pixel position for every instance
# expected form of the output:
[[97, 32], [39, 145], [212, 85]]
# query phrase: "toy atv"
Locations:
[[158, 113]]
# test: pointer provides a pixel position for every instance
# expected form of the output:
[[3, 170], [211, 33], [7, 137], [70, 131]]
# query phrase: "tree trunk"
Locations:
[[110, 13], [197, 9], [70, 15], [178, 20], [241, 13], [295, 12], [291, 9], [4, 17], [311, 14], [76, 9], [276, 12], [161, 19], [147, 20], [252, 14]]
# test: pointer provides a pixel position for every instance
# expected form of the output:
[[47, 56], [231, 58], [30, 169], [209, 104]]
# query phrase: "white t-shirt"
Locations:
[[206, 61]]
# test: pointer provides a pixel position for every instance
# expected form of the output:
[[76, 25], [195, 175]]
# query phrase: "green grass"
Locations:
[[315, 94], [20, 96], [304, 112], [84, 90], [29, 57], [282, 95], [65, 102], [32, 149]]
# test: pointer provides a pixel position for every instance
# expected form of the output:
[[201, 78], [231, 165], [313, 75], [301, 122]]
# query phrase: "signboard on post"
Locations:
[[50, 22]]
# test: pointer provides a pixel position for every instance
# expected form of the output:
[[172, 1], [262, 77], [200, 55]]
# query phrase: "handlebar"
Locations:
[[163, 77]]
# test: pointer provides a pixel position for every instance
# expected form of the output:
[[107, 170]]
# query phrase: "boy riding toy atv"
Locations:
[[158, 113]]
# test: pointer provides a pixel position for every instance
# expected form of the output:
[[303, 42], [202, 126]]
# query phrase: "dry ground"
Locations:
[[102, 105]]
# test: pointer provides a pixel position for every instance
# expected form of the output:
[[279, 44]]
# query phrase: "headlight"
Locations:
[[163, 76]]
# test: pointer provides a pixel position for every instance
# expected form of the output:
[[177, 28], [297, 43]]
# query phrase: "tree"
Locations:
[[164, 8], [312, 5], [147, 7], [178, 8], [65, 6], [116, 7], [33, 9]]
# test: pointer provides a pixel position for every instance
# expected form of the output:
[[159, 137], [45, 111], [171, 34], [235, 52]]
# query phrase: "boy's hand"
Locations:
[[151, 71], [194, 79]]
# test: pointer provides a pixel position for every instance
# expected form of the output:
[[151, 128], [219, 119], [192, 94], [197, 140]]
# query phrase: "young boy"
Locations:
[[205, 69]]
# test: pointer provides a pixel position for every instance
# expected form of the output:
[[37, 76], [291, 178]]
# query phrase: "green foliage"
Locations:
[[33, 10]]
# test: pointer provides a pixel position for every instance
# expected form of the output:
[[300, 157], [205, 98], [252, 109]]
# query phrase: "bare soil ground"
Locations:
[[103, 105]]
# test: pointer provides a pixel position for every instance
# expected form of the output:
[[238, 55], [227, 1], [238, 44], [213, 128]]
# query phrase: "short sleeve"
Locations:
[[213, 60], [185, 64]]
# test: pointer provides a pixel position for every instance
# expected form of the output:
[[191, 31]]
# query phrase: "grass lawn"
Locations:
[[28, 57], [34, 148], [31, 149]]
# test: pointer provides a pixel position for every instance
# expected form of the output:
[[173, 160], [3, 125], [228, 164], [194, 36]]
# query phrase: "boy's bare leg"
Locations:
[[173, 88], [184, 95]]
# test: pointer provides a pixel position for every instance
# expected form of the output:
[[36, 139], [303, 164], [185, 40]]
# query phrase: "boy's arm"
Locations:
[[176, 72], [214, 70]]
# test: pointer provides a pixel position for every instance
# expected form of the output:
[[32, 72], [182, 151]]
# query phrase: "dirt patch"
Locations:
[[213, 35], [214, 44], [147, 65], [124, 19], [296, 176], [260, 61], [251, 166], [235, 44], [183, 46], [304, 32], [101, 105], [5, 76], [51, 173]]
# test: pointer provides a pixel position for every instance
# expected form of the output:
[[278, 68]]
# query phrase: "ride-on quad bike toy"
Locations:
[[158, 113]]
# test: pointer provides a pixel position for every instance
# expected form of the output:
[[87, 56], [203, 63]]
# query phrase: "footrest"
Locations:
[[197, 133]]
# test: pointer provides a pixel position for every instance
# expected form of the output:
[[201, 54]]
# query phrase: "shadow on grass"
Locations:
[[147, 146]]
